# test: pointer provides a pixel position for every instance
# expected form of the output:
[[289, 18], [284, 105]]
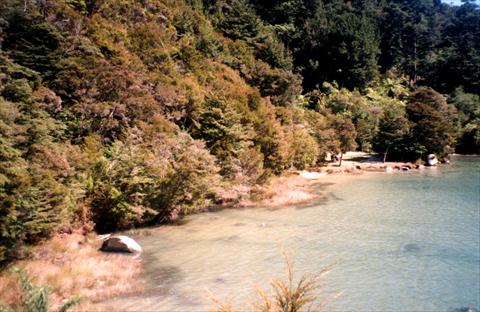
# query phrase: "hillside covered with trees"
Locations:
[[122, 113]]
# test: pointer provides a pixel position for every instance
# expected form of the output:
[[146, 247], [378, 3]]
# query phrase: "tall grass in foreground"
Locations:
[[72, 266], [34, 297], [287, 295]]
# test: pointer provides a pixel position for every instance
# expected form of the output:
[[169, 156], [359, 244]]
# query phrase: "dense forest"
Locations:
[[122, 113]]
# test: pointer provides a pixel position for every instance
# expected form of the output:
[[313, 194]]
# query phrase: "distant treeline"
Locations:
[[121, 113]]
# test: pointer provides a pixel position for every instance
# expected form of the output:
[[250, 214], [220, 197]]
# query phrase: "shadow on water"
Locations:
[[322, 201], [161, 280], [320, 186], [333, 196], [410, 247], [179, 222], [319, 202], [227, 238], [366, 158]]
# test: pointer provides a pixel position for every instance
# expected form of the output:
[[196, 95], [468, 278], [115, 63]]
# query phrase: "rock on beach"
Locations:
[[121, 243]]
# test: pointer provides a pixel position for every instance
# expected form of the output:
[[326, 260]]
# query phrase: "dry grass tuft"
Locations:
[[291, 296], [219, 306], [72, 266], [287, 295]]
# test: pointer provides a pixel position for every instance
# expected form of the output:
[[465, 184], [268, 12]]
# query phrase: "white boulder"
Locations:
[[432, 160], [121, 243]]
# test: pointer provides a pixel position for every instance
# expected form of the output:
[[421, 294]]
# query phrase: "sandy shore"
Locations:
[[301, 187]]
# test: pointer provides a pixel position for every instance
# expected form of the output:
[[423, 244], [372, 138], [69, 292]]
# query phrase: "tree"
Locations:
[[39, 46], [431, 122], [304, 148], [393, 126], [468, 106], [340, 44], [345, 133], [222, 129], [238, 20]]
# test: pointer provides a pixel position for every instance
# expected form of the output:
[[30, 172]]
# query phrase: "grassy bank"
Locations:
[[71, 266]]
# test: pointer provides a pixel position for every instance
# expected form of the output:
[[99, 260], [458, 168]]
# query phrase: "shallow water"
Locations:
[[403, 242]]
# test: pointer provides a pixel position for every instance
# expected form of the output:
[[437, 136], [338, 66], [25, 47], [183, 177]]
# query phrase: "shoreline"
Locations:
[[63, 261], [297, 187]]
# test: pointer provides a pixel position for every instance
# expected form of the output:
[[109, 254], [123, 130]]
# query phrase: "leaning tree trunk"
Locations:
[[385, 154]]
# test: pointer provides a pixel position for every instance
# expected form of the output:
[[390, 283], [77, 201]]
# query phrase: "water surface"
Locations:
[[403, 242]]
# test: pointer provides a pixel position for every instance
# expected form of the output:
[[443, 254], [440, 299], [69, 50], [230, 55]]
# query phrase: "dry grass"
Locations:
[[286, 190], [290, 295], [72, 266], [10, 290]]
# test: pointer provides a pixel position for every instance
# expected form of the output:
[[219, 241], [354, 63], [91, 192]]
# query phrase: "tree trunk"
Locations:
[[341, 157], [385, 154]]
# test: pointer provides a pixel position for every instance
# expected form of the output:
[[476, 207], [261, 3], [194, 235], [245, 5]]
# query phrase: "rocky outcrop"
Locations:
[[120, 243], [432, 160]]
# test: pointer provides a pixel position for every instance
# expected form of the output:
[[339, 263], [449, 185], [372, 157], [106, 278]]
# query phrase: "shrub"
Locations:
[[150, 179], [303, 149], [34, 177], [18, 90]]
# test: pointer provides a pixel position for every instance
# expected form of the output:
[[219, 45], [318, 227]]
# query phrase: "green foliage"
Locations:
[[344, 132], [39, 47], [18, 90], [324, 135], [432, 121], [468, 106], [304, 149], [221, 128], [270, 137], [282, 87], [392, 129], [238, 20], [133, 112], [34, 177], [148, 181], [431, 128], [189, 185], [339, 44]]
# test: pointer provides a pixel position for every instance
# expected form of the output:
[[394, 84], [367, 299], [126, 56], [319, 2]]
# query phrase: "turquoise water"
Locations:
[[401, 242]]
